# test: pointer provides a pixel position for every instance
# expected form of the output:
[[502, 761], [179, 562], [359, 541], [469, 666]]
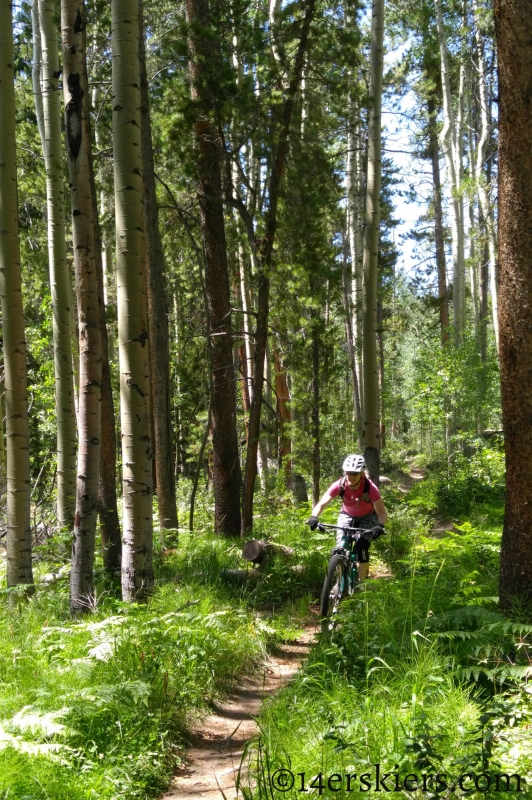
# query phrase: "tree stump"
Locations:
[[299, 488]]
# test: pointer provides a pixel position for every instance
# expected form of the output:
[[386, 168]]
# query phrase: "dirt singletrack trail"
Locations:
[[212, 762]]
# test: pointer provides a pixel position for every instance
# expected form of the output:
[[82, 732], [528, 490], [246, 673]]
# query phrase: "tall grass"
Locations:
[[97, 708], [421, 673]]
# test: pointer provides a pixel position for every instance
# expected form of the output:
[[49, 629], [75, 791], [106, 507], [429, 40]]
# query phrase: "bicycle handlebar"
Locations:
[[322, 526]]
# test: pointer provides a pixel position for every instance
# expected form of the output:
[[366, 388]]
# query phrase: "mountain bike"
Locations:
[[342, 574]]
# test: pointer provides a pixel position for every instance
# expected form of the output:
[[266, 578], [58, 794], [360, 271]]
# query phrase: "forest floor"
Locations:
[[217, 742]]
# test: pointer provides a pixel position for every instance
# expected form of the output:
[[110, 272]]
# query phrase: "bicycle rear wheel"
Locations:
[[334, 588]]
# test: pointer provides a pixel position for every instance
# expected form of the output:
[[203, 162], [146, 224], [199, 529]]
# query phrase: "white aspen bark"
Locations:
[[458, 139], [304, 102], [59, 272], [2, 449], [473, 280], [78, 148], [482, 188], [137, 564], [274, 7], [75, 361], [451, 146], [109, 278], [18, 537], [347, 292], [358, 266], [36, 67], [371, 411], [355, 227], [248, 327]]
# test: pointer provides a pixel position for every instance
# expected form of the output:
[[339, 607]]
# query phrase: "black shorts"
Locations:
[[361, 545]]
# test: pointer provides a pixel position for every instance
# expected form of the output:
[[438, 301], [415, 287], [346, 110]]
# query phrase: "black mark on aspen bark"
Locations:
[[137, 388], [78, 23], [73, 114], [142, 338]]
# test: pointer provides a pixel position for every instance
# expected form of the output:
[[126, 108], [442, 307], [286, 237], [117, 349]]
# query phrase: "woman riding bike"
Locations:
[[362, 507]]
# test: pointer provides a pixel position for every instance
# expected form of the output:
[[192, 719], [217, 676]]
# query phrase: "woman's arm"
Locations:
[[323, 503], [378, 505]]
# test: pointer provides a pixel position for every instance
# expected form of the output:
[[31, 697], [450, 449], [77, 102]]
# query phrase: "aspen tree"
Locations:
[[137, 564], [438, 222], [282, 394], [371, 414], [18, 538], [108, 506], [79, 156], [59, 273], [451, 140], [159, 350], [352, 282], [482, 187], [36, 67], [2, 446], [347, 295]]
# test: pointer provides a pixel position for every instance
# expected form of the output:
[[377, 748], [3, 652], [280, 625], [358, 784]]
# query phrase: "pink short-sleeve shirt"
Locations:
[[353, 500]]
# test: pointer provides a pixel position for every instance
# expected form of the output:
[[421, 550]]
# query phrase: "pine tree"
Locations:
[[513, 20]]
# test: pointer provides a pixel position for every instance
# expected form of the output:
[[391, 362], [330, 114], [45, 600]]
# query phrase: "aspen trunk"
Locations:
[[226, 464], [3, 472], [315, 412], [451, 145], [247, 323], [355, 226], [137, 565], [283, 416], [438, 223], [108, 506], [59, 273], [483, 192], [18, 537], [90, 341], [36, 69], [159, 350], [357, 412], [372, 434]]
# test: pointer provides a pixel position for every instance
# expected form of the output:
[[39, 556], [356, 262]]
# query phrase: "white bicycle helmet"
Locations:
[[354, 463]]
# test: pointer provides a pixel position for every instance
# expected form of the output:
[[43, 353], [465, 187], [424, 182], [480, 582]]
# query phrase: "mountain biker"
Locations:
[[362, 507]]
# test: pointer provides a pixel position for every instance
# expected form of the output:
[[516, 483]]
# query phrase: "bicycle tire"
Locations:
[[334, 588]]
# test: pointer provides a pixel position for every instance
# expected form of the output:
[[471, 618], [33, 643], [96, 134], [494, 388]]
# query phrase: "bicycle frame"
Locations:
[[347, 580]]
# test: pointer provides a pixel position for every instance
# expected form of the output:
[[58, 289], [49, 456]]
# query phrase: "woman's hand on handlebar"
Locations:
[[377, 531]]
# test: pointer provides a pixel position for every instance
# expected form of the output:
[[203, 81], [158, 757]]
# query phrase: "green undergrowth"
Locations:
[[98, 708], [421, 674], [421, 670]]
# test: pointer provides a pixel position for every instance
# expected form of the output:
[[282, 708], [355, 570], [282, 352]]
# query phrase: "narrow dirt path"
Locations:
[[212, 762]]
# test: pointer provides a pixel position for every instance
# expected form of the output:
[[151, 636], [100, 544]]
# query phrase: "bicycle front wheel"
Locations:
[[334, 587]]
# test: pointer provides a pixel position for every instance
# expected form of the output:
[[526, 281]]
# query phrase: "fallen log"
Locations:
[[257, 551]]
